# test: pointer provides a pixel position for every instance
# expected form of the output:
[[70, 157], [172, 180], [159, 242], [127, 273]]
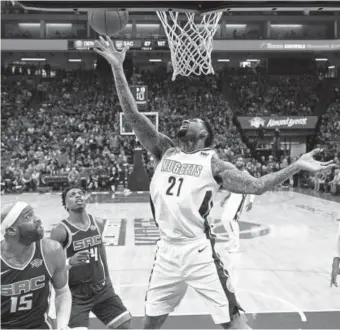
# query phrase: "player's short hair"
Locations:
[[65, 191], [210, 137]]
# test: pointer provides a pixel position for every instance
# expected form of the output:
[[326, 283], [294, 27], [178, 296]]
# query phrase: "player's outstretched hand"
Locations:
[[307, 162], [107, 49], [80, 258]]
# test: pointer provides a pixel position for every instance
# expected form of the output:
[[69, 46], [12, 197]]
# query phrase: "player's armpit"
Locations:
[[243, 183], [145, 131]]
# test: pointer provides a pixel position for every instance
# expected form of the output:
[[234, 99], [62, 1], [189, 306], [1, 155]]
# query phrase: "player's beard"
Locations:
[[28, 235]]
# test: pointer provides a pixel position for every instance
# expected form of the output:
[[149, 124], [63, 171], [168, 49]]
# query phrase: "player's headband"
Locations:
[[12, 216]]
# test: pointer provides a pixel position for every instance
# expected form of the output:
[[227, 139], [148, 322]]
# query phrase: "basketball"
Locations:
[[108, 22]]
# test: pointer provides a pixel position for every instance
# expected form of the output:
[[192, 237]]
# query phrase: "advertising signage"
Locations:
[[281, 122], [277, 45]]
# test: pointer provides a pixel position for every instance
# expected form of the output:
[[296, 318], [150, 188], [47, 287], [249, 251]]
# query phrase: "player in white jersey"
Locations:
[[233, 206], [182, 190]]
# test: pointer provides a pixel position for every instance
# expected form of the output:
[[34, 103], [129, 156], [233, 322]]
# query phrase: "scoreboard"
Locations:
[[137, 44]]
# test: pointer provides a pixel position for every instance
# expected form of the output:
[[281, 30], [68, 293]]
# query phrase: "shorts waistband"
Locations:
[[183, 241]]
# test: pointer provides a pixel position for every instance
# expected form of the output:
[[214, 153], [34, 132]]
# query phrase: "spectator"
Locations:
[[335, 183], [73, 176]]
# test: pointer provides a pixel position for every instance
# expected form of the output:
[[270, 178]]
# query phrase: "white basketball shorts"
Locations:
[[195, 264], [233, 207]]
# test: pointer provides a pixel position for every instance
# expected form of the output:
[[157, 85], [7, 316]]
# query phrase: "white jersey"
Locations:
[[182, 191]]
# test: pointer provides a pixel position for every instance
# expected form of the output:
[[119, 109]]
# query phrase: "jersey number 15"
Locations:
[[173, 182], [21, 303]]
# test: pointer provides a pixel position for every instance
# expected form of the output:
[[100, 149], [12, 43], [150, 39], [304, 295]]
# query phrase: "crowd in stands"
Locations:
[[65, 129], [260, 95], [329, 135]]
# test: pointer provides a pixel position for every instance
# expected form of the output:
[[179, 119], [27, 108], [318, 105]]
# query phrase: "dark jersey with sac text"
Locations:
[[25, 293], [90, 239]]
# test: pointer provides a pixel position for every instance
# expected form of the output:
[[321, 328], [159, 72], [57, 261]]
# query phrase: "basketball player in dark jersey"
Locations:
[[29, 264], [195, 137], [336, 260], [81, 236]]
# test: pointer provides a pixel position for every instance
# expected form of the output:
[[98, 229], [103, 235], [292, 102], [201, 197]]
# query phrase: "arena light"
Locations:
[[331, 67], [252, 60], [26, 25], [286, 25], [236, 25], [147, 25], [33, 59], [223, 60], [74, 60], [321, 59], [59, 24], [155, 60]]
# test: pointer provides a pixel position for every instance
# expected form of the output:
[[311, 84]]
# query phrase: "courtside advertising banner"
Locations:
[[284, 122]]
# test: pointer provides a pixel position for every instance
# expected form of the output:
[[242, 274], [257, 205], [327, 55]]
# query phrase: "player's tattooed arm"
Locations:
[[243, 183], [145, 131]]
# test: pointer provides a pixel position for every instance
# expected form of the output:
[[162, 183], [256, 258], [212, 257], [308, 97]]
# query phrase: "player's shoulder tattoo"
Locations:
[[218, 165]]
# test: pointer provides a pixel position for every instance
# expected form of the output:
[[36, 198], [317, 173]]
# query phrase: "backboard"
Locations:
[[125, 128], [180, 6]]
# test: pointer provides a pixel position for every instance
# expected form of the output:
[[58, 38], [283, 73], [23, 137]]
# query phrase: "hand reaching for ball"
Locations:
[[109, 51]]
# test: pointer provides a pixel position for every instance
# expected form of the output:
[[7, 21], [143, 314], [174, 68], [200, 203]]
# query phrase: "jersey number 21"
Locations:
[[174, 182]]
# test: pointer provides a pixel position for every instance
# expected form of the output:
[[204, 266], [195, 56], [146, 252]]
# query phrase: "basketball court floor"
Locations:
[[281, 276]]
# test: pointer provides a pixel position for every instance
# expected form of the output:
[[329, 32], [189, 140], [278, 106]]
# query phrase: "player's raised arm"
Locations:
[[56, 259], [243, 183], [145, 131]]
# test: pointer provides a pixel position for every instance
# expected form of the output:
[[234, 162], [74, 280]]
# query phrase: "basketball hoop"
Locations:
[[190, 43]]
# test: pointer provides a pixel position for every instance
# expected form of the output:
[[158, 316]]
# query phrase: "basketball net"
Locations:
[[190, 43]]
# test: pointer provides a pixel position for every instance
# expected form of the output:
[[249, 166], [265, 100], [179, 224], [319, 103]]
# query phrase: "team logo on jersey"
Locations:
[[204, 153], [176, 167], [36, 263], [93, 227]]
